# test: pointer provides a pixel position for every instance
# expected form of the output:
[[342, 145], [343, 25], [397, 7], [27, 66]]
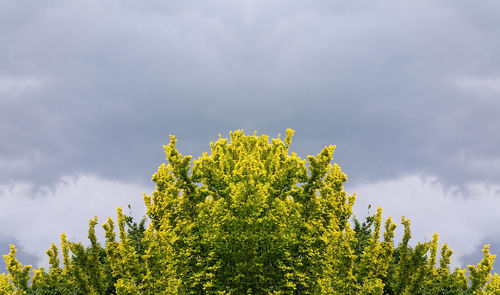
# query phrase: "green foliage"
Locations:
[[19, 275], [250, 217], [363, 233], [481, 273]]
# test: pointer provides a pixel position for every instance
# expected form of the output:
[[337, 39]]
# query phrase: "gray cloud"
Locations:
[[400, 88]]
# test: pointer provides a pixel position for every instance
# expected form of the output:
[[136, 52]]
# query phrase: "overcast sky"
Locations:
[[408, 91]]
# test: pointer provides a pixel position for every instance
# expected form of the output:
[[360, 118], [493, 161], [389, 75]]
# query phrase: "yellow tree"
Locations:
[[251, 217]]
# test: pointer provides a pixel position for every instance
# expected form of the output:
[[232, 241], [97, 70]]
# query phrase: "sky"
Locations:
[[408, 91]]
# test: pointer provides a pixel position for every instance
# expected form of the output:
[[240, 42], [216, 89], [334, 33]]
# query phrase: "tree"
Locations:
[[250, 217]]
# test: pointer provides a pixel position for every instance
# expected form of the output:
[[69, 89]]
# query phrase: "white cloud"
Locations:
[[13, 86], [36, 218], [483, 86], [463, 218]]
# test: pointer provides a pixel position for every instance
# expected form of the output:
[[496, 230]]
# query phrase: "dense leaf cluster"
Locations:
[[249, 218]]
